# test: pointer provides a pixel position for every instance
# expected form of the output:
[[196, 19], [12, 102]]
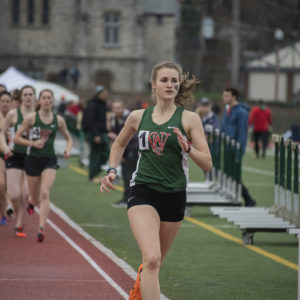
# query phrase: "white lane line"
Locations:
[[54, 280], [98, 225], [258, 171], [120, 262], [89, 260]]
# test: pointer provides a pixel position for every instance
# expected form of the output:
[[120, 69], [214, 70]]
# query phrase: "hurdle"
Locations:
[[223, 182], [284, 214]]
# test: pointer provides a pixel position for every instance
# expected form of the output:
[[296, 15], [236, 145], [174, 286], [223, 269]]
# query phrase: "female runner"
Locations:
[[41, 163], [156, 203], [17, 189], [5, 102]]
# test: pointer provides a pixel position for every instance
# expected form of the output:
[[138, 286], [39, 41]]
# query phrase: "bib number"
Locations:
[[143, 140], [36, 133]]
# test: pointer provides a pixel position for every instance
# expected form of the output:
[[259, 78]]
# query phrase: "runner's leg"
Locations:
[[47, 180], [14, 192], [145, 225]]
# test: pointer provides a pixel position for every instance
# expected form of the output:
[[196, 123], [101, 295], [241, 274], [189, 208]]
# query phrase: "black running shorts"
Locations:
[[35, 165], [17, 161], [170, 206]]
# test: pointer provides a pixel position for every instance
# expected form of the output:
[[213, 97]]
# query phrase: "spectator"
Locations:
[[235, 125], [74, 72], [62, 106], [209, 119], [261, 119], [130, 155], [63, 76], [94, 125]]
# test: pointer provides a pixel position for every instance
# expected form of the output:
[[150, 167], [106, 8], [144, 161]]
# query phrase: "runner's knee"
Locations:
[[45, 194], [152, 262]]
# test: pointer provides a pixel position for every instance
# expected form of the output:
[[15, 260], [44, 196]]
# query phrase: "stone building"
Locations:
[[111, 42]]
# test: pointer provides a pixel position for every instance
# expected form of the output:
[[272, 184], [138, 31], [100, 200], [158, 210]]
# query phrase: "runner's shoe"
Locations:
[[40, 235], [19, 232], [3, 221], [135, 292], [9, 211], [30, 209]]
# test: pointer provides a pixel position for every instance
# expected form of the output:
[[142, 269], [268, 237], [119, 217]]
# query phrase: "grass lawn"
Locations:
[[200, 264]]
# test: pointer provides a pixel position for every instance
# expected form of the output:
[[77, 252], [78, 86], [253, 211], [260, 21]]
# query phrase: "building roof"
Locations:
[[289, 58]]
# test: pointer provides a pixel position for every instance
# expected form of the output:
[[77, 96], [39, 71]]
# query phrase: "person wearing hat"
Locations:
[[209, 119], [94, 126]]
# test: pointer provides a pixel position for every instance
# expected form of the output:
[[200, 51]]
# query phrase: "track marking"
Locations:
[[257, 171], [240, 242], [78, 170], [118, 261], [85, 173], [98, 225], [89, 260], [52, 280]]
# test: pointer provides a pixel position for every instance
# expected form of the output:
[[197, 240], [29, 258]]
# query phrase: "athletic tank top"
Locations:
[[19, 148], [44, 131], [162, 164]]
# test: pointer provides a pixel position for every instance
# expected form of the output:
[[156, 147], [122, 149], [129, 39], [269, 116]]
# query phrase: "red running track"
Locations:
[[54, 269]]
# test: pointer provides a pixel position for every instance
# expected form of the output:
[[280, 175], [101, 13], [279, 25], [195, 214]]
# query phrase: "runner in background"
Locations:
[[15, 101], [5, 209], [17, 189], [2, 88], [157, 199], [41, 163]]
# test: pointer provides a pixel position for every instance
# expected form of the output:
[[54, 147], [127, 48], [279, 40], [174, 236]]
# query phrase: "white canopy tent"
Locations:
[[58, 91], [12, 78]]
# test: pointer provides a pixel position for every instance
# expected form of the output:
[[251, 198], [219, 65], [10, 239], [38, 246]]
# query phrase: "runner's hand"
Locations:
[[66, 154], [97, 139], [106, 183], [8, 152], [39, 144], [182, 141]]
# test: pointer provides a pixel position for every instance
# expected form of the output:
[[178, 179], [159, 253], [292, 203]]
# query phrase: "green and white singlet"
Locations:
[[162, 164], [19, 148], [47, 132]]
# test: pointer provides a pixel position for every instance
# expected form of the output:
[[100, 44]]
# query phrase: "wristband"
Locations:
[[189, 149], [111, 169]]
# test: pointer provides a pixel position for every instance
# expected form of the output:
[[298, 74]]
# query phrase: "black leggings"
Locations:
[[264, 137]]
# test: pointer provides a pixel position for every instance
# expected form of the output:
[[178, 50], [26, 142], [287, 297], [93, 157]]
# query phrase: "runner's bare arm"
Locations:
[[6, 123], [117, 149], [130, 127], [199, 153], [1, 124], [65, 132], [25, 126]]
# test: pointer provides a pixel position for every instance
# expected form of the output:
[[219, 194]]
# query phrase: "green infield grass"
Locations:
[[203, 262]]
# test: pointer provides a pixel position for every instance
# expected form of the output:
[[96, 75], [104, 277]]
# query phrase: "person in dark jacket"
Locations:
[[209, 119], [235, 125], [96, 131], [130, 155]]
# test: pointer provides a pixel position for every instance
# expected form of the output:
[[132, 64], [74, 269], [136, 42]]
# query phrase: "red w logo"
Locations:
[[158, 141]]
